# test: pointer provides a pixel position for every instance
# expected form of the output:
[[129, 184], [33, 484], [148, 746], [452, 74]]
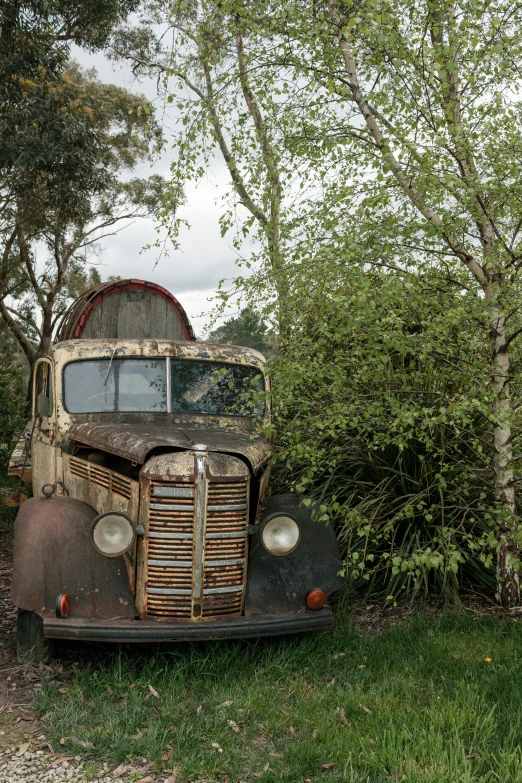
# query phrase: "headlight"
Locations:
[[280, 535], [112, 534]]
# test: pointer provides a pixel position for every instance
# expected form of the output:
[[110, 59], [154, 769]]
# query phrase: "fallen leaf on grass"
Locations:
[[362, 666], [139, 735], [328, 767], [81, 743], [166, 756], [277, 755], [121, 770], [27, 717], [225, 704], [199, 710], [408, 708], [266, 768], [44, 717], [338, 655], [143, 768], [369, 712], [345, 719], [63, 690], [260, 740], [314, 733], [153, 692], [23, 749], [9, 709], [233, 725], [172, 778], [216, 747], [61, 760]]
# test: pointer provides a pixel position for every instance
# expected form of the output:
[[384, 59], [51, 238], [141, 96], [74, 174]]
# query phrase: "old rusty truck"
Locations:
[[150, 518]]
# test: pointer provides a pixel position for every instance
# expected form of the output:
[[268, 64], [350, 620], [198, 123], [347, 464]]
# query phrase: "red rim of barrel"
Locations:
[[75, 319]]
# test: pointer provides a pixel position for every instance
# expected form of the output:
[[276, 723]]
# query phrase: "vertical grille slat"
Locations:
[[169, 513], [172, 512], [221, 519]]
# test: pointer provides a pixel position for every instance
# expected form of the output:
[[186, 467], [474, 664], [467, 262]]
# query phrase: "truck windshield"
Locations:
[[110, 385]]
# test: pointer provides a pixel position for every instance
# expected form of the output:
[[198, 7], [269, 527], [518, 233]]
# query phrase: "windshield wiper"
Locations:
[[110, 365]]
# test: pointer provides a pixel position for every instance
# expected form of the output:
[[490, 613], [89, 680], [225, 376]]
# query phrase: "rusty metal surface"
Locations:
[[53, 555], [136, 441], [75, 320], [279, 584], [181, 349], [151, 631], [192, 560]]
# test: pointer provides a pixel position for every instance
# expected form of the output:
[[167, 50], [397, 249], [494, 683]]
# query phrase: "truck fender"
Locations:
[[277, 585], [53, 555]]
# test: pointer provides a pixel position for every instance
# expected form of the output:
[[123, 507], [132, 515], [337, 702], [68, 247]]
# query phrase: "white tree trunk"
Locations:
[[508, 588]]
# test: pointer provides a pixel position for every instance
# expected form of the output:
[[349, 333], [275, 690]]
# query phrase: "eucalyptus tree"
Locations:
[[48, 245]]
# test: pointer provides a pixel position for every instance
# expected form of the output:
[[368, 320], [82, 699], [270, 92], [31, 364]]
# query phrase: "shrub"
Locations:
[[380, 404]]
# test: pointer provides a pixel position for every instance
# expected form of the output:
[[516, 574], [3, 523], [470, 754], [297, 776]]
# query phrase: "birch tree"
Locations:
[[427, 118]]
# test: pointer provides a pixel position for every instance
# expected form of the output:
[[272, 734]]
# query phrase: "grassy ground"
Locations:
[[438, 700]]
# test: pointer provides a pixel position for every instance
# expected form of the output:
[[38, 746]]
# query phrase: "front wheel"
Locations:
[[31, 644]]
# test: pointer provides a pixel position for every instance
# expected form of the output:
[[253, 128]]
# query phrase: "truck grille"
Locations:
[[172, 531]]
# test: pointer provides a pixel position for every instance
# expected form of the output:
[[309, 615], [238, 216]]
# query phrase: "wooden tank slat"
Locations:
[[126, 309]]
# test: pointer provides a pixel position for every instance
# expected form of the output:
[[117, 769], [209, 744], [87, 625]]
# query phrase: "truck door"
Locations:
[[43, 448]]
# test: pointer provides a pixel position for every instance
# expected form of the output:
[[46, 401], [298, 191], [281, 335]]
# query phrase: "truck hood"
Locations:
[[135, 442]]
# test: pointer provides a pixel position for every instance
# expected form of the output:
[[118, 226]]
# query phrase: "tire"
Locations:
[[31, 644]]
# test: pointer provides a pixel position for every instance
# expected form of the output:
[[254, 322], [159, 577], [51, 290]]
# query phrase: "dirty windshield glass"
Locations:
[[105, 385], [218, 389]]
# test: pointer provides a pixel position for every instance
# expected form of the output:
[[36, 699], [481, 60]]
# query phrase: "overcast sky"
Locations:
[[192, 273]]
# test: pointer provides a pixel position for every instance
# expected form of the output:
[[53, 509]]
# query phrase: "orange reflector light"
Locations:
[[316, 599], [63, 606]]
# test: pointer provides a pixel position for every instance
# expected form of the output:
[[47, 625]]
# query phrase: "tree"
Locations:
[[433, 87], [405, 118], [418, 119], [46, 138], [246, 329], [65, 140], [33, 292], [204, 68]]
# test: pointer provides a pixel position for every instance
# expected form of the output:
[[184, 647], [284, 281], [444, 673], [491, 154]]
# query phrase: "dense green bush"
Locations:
[[381, 416]]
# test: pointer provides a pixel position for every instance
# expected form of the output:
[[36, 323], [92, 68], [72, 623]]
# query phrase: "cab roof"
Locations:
[[70, 350]]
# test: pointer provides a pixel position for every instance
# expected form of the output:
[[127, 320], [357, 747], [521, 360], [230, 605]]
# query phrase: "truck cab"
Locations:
[[150, 518]]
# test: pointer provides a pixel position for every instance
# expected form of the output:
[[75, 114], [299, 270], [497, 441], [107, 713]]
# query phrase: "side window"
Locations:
[[43, 392]]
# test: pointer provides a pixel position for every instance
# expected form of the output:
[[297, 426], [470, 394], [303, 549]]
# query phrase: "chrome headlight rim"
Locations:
[[96, 522], [268, 521]]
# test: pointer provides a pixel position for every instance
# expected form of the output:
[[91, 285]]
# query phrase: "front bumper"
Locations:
[[153, 631]]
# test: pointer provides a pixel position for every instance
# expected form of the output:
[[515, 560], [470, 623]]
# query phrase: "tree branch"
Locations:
[[389, 158]]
